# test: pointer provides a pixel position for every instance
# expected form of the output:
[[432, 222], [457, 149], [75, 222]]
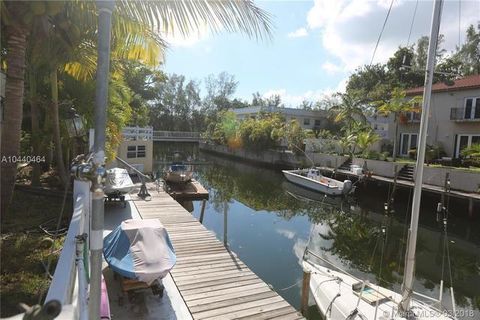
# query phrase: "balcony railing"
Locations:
[[458, 114], [138, 133]]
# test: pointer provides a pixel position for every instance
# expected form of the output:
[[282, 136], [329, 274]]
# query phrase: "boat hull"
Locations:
[[179, 177]]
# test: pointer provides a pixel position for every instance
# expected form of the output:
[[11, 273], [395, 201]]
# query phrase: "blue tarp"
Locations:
[[140, 249]]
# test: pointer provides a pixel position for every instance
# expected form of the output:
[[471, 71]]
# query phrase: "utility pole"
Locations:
[[105, 9]]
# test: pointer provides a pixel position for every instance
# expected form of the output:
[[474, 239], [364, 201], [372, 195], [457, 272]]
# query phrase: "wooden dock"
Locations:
[[192, 190], [212, 280], [409, 184]]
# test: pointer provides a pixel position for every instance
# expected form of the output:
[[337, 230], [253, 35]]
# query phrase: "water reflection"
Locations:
[[269, 222], [272, 221]]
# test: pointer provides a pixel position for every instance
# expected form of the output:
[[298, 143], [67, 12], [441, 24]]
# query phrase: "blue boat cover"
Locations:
[[140, 249]]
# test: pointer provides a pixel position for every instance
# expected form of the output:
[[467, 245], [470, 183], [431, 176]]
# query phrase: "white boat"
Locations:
[[312, 179], [118, 182], [178, 173], [340, 295]]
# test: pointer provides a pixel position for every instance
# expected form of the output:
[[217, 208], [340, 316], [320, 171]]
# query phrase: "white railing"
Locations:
[[138, 133], [69, 284], [176, 135]]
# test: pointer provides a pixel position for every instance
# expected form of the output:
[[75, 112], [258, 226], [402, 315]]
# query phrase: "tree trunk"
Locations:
[[35, 127], [56, 127], [395, 139], [13, 112]]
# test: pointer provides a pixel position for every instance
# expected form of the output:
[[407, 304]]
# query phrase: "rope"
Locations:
[[411, 25], [50, 256], [293, 285], [381, 32]]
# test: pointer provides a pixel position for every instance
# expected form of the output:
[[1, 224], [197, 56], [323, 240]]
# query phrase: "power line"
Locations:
[[381, 32], [411, 25]]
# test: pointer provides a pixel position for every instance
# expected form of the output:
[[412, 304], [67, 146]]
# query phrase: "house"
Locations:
[[454, 119], [308, 119]]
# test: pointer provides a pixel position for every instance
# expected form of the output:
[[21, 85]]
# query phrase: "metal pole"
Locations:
[[225, 227], [417, 191], [105, 9]]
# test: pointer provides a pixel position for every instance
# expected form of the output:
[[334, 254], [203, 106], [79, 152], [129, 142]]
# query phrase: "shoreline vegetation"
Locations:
[[26, 248]]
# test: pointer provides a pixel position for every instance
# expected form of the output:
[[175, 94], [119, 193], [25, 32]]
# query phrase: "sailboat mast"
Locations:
[[422, 141]]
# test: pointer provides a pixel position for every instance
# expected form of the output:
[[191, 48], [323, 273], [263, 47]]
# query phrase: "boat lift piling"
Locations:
[[305, 291]]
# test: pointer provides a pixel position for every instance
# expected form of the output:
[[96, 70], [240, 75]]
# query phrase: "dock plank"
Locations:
[[212, 280]]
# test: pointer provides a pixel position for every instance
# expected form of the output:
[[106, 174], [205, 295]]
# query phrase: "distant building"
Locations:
[[454, 119], [308, 119]]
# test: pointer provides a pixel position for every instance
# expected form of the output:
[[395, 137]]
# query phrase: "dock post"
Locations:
[[305, 291], [202, 212], [225, 228]]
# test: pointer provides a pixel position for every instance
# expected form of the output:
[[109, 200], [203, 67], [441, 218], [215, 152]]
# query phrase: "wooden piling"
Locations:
[[202, 212], [305, 291]]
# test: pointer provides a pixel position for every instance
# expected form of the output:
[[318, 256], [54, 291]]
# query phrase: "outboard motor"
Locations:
[[347, 186]]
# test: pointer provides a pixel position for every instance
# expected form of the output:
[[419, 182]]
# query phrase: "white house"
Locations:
[[308, 119]]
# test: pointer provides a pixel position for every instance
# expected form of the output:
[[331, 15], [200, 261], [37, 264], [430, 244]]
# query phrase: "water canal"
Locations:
[[269, 222]]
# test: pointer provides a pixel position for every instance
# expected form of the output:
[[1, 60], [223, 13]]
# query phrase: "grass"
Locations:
[[25, 249]]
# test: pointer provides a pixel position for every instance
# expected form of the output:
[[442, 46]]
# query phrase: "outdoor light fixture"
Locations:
[[74, 124]]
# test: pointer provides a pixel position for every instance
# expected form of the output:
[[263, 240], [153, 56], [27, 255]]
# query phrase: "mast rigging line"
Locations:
[[413, 21], [381, 32]]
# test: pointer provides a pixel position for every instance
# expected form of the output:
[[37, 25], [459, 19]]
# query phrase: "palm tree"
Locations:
[[179, 17], [348, 110], [397, 105], [366, 138]]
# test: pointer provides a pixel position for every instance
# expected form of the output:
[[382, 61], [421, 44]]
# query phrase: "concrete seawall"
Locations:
[[461, 179]]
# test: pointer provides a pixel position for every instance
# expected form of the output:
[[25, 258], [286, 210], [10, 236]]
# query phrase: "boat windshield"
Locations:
[[178, 167]]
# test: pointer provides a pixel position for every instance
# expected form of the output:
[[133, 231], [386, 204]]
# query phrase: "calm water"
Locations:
[[269, 222]]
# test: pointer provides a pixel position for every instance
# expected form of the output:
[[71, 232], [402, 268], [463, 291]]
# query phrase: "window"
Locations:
[[131, 152], [306, 122], [317, 123], [472, 108], [407, 141], [464, 141], [136, 152]]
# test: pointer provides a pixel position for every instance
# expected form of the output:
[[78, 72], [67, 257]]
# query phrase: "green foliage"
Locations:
[[263, 132], [472, 153], [295, 136]]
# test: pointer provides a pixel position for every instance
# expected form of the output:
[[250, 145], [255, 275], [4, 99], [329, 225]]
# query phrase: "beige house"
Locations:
[[454, 121]]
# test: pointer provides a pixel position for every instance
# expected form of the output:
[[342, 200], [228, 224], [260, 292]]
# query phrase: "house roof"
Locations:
[[470, 82]]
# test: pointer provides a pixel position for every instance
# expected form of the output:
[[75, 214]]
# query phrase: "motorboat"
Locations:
[[312, 179], [118, 182], [178, 173]]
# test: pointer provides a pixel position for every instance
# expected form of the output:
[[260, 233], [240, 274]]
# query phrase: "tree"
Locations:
[[397, 105], [469, 54], [348, 109], [170, 16], [368, 81], [365, 139]]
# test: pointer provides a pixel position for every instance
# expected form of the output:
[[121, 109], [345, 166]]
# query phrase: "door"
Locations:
[[408, 141], [472, 108]]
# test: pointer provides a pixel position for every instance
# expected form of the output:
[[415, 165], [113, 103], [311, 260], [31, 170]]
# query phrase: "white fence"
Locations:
[[138, 133], [147, 133]]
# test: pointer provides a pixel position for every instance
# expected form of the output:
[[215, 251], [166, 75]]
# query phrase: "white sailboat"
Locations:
[[340, 295]]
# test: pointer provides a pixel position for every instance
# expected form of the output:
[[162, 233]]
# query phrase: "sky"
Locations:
[[315, 46]]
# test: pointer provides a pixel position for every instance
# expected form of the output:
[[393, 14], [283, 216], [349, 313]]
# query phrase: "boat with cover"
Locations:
[[140, 250], [178, 173], [118, 182], [312, 179], [340, 295]]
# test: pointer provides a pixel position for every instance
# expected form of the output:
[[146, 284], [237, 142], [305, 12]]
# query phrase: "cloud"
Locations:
[[302, 32], [349, 28], [331, 67], [286, 233], [176, 39]]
